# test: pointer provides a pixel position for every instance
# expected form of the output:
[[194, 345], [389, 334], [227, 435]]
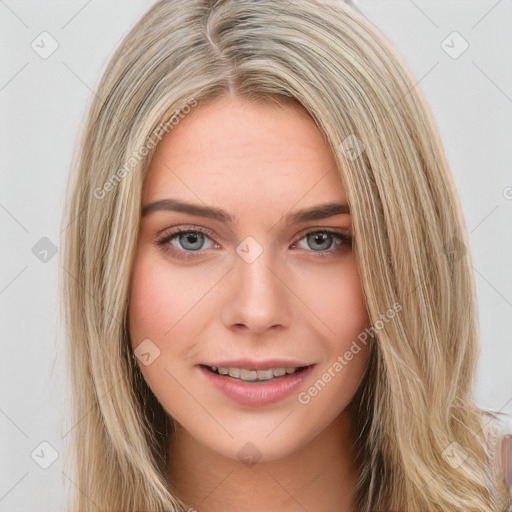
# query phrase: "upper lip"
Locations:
[[249, 364]]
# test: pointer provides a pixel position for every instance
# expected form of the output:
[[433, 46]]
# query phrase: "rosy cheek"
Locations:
[[340, 302], [146, 301], [160, 296]]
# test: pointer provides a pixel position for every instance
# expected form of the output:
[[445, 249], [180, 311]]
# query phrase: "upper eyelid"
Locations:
[[191, 228], [173, 232]]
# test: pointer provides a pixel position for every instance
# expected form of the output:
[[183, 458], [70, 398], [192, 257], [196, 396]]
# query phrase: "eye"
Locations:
[[188, 242], [322, 241]]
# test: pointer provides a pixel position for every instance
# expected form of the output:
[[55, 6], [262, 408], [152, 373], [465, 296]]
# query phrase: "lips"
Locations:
[[252, 383], [258, 365]]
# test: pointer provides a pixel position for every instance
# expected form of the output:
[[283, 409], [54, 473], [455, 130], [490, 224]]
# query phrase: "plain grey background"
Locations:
[[43, 102]]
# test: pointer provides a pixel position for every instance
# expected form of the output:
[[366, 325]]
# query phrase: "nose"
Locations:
[[258, 298]]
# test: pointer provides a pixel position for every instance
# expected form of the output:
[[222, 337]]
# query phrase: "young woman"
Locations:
[[268, 294]]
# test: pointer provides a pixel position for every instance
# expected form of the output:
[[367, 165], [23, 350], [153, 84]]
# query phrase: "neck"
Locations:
[[320, 476]]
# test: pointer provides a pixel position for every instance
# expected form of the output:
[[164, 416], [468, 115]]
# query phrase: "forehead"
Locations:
[[232, 149]]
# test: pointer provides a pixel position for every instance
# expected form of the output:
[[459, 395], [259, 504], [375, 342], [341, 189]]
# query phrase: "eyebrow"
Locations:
[[321, 211]]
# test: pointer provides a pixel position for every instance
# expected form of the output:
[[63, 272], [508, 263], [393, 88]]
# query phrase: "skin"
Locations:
[[259, 161]]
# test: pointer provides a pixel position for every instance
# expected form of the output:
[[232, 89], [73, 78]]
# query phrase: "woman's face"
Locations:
[[252, 286]]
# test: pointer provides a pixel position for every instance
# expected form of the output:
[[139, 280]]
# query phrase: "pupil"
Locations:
[[193, 238], [323, 237]]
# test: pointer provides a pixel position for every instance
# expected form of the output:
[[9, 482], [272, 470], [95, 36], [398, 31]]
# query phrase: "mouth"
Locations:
[[252, 383], [254, 375]]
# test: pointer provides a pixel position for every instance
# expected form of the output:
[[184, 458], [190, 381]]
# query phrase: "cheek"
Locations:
[[340, 306], [336, 299], [160, 298], [161, 301], [151, 305]]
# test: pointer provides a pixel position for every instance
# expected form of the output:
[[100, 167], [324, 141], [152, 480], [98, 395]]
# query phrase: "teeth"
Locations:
[[234, 372], [265, 374], [248, 374], [253, 375]]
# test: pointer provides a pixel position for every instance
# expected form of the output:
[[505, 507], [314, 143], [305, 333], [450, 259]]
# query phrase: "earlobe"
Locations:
[[504, 460]]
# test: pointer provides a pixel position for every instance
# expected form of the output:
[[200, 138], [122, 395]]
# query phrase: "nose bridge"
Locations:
[[259, 297], [255, 268]]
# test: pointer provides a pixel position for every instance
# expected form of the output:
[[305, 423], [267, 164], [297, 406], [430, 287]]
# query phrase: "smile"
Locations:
[[252, 387], [255, 375]]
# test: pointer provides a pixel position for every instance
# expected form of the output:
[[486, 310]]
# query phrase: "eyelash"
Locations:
[[163, 241]]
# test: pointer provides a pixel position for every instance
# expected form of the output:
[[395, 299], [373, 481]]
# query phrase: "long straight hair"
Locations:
[[415, 403]]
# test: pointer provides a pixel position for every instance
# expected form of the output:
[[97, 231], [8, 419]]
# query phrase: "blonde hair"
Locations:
[[415, 401]]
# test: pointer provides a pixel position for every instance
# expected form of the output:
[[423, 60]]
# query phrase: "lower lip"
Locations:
[[254, 393]]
